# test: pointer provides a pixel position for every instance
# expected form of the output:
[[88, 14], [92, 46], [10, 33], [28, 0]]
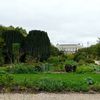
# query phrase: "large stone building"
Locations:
[[69, 48]]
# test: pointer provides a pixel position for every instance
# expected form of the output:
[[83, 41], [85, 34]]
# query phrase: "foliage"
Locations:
[[81, 62], [21, 30], [52, 82], [38, 45], [16, 52], [90, 81], [85, 69], [54, 51], [24, 68], [70, 56], [53, 59], [58, 85], [6, 80], [96, 87], [10, 37], [96, 67], [88, 54], [1, 57], [3, 70], [71, 62], [70, 66]]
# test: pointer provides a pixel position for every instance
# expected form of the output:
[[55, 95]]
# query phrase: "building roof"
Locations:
[[68, 44]]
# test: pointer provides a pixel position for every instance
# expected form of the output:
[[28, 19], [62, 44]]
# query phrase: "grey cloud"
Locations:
[[66, 21]]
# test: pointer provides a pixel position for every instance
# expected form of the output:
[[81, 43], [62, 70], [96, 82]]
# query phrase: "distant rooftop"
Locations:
[[68, 44]]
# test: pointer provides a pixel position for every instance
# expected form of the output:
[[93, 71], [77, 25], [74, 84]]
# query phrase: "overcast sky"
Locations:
[[66, 21]]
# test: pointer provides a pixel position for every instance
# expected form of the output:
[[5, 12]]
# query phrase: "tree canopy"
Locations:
[[37, 44]]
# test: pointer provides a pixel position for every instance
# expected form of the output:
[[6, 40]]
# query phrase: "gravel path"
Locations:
[[49, 96]]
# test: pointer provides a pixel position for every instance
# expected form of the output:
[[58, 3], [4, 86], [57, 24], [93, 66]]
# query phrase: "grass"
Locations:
[[51, 82], [62, 76]]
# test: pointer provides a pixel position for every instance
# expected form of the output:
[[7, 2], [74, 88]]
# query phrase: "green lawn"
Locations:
[[51, 82], [63, 76]]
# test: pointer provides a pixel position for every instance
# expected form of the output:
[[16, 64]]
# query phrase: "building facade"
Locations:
[[69, 48]]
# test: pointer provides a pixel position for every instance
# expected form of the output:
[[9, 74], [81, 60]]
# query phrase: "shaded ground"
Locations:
[[49, 96]]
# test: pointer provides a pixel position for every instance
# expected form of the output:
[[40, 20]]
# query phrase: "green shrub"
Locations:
[[70, 56], [3, 70], [96, 67], [89, 60], [90, 81], [6, 80], [57, 68], [38, 69], [54, 85], [49, 85], [95, 87], [84, 69], [81, 62], [24, 68], [70, 66], [53, 59], [71, 62]]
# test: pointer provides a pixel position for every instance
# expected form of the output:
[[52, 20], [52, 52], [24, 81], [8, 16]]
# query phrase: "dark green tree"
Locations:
[[10, 37], [54, 51], [38, 45]]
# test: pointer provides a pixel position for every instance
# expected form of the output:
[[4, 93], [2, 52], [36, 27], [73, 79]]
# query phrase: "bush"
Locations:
[[6, 80], [70, 56], [96, 67], [53, 59], [49, 85], [3, 70], [90, 81], [71, 62], [70, 66], [89, 60], [57, 68], [24, 68], [38, 69], [53, 85], [81, 62], [84, 69], [95, 87]]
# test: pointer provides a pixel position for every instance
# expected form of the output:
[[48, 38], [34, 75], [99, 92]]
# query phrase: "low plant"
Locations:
[[84, 69], [95, 87], [58, 85], [6, 80], [90, 81], [24, 68], [70, 66], [71, 62], [53, 60]]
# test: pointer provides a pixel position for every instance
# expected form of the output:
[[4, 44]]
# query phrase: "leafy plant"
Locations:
[[6, 80], [90, 81], [84, 69]]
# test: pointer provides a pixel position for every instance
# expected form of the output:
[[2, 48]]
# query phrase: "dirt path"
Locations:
[[49, 96]]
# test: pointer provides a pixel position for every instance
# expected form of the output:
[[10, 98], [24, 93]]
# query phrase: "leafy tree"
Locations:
[[88, 54], [16, 52], [38, 45], [21, 30], [54, 51], [1, 51], [10, 37]]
